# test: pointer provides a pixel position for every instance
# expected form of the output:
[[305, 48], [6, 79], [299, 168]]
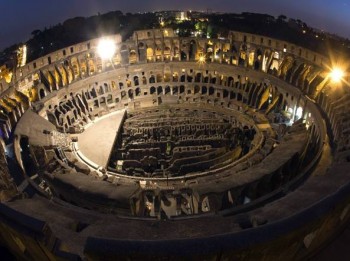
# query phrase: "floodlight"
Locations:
[[106, 49], [336, 74]]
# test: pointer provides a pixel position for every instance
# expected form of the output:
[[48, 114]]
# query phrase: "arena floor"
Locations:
[[96, 142]]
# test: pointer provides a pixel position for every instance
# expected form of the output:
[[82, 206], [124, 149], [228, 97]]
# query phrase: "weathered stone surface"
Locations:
[[81, 167]]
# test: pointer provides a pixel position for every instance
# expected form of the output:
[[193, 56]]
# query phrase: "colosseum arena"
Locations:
[[161, 147]]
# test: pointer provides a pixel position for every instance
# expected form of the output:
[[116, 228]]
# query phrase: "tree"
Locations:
[[282, 18], [36, 32]]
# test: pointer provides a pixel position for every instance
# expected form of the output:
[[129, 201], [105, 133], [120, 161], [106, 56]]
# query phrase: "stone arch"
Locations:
[[167, 90], [102, 101], [182, 89], [225, 93], [149, 53], [136, 80], [286, 65], [160, 90], [192, 50], [123, 95], [144, 80], [183, 78], [152, 79], [159, 77], [297, 73], [183, 56], [196, 89], [132, 56], [91, 66], [138, 91], [230, 81], [141, 45], [152, 90], [167, 53], [100, 90], [198, 77], [109, 99], [42, 93], [131, 94], [211, 90], [175, 77], [106, 87]]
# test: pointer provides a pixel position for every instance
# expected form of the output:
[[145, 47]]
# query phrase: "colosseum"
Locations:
[[162, 147]]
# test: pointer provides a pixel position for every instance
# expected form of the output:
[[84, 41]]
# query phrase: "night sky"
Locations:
[[18, 18]]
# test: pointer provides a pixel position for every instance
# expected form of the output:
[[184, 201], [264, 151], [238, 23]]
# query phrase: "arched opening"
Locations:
[[144, 80], [182, 78], [109, 99], [131, 94], [211, 90], [149, 54], [229, 81], [102, 101], [183, 56], [152, 79], [256, 65], [175, 77], [152, 90], [167, 90], [198, 77], [137, 91], [182, 89], [132, 56], [123, 95], [159, 78], [196, 89], [128, 83], [42, 93], [204, 90], [193, 49], [136, 80], [160, 90], [225, 94], [101, 91], [106, 87]]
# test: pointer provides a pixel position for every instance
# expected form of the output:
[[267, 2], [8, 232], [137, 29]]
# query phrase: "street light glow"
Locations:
[[336, 74], [106, 49]]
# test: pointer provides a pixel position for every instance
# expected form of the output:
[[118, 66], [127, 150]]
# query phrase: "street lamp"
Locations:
[[106, 48]]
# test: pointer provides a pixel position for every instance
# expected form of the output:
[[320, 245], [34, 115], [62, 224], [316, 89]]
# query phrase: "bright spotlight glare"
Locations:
[[201, 59], [106, 48], [336, 75]]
